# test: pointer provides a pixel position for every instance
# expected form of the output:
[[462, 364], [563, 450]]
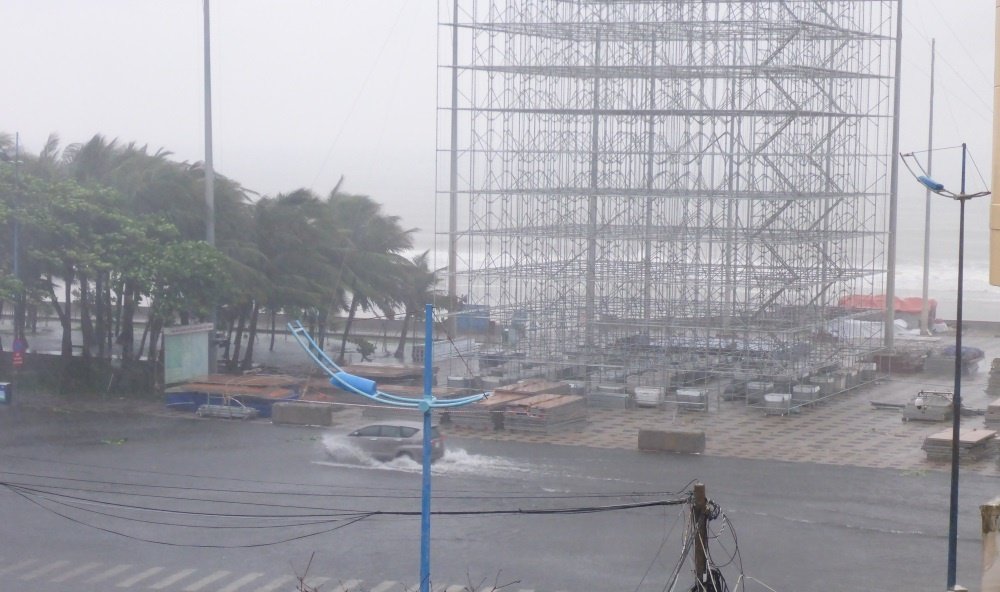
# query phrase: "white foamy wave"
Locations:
[[340, 449], [456, 461]]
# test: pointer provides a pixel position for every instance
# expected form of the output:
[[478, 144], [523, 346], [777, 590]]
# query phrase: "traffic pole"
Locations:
[[700, 511]]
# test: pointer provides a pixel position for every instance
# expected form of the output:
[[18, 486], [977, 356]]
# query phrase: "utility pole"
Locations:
[[700, 511]]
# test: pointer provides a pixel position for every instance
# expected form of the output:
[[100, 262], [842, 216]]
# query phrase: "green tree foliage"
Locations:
[[108, 230]]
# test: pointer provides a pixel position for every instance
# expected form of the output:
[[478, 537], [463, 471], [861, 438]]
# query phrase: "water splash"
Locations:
[[341, 451]]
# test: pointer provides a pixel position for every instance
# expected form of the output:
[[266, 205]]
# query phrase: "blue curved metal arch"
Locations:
[[343, 380]]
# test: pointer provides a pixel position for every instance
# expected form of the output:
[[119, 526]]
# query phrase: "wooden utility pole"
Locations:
[[700, 512]]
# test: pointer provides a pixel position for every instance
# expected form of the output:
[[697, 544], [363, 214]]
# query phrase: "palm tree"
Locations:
[[370, 256], [293, 237], [418, 287]]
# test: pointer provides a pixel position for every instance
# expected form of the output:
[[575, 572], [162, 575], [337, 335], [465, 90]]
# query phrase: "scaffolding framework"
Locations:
[[639, 185]]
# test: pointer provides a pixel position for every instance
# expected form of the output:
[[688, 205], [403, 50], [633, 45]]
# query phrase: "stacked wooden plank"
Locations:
[[545, 413], [973, 444], [487, 414]]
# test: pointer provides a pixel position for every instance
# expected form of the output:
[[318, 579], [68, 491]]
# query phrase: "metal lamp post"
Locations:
[[367, 388], [961, 197]]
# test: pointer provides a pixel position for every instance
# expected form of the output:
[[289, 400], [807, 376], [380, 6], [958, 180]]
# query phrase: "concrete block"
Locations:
[[689, 441], [302, 413]]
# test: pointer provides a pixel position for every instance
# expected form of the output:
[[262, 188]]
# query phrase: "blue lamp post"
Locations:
[[367, 388], [961, 197]]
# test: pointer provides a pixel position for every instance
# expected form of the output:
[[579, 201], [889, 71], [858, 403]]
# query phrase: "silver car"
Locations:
[[395, 439]]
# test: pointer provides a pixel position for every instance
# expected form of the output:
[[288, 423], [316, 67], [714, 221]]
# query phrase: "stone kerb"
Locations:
[[302, 413], [686, 441]]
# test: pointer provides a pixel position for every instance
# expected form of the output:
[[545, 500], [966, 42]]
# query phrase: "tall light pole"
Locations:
[[956, 403], [209, 177]]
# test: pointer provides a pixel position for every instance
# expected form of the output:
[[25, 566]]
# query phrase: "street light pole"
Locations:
[[956, 402], [213, 353]]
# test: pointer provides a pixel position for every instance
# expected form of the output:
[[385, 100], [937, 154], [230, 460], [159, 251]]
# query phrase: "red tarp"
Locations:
[[908, 305]]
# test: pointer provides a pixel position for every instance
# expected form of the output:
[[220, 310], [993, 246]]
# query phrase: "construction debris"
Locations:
[[973, 444]]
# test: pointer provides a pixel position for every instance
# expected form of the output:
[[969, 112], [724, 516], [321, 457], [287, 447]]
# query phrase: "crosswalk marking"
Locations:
[[347, 586], [206, 581], [128, 583], [316, 582], [108, 574], [241, 582], [33, 569], [275, 584], [44, 570], [77, 572], [171, 580], [19, 565]]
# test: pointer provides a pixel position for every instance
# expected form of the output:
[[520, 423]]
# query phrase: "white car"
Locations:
[[394, 439]]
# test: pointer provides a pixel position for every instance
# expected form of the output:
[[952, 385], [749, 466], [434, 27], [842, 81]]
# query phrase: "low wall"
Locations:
[[688, 441], [302, 413]]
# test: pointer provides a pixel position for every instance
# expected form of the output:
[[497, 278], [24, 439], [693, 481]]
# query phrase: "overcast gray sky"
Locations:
[[308, 90]]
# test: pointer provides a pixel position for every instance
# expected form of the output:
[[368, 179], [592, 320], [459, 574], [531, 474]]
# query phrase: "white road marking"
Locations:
[[79, 571], [44, 570], [206, 581], [128, 583], [456, 588], [107, 575], [346, 586], [19, 565], [241, 582], [171, 580], [384, 586], [275, 584]]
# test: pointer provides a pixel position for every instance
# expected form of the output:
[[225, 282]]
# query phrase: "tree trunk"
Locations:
[[99, 328], [324, 315], [248, 357], [126, 333], [155, 328], [64, 312], [237, 346], [347, 328], [86, 322], [142, 340], [401, 348], [274, 320]]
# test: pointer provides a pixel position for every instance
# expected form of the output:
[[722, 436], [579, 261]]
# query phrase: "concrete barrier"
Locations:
[[688, 441], [302, 413]]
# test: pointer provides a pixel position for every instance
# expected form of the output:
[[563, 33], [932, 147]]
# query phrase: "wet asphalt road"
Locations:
[[800, 527]]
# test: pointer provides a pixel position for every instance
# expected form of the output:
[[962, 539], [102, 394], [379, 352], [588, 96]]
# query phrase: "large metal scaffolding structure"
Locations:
[[637, 186]]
